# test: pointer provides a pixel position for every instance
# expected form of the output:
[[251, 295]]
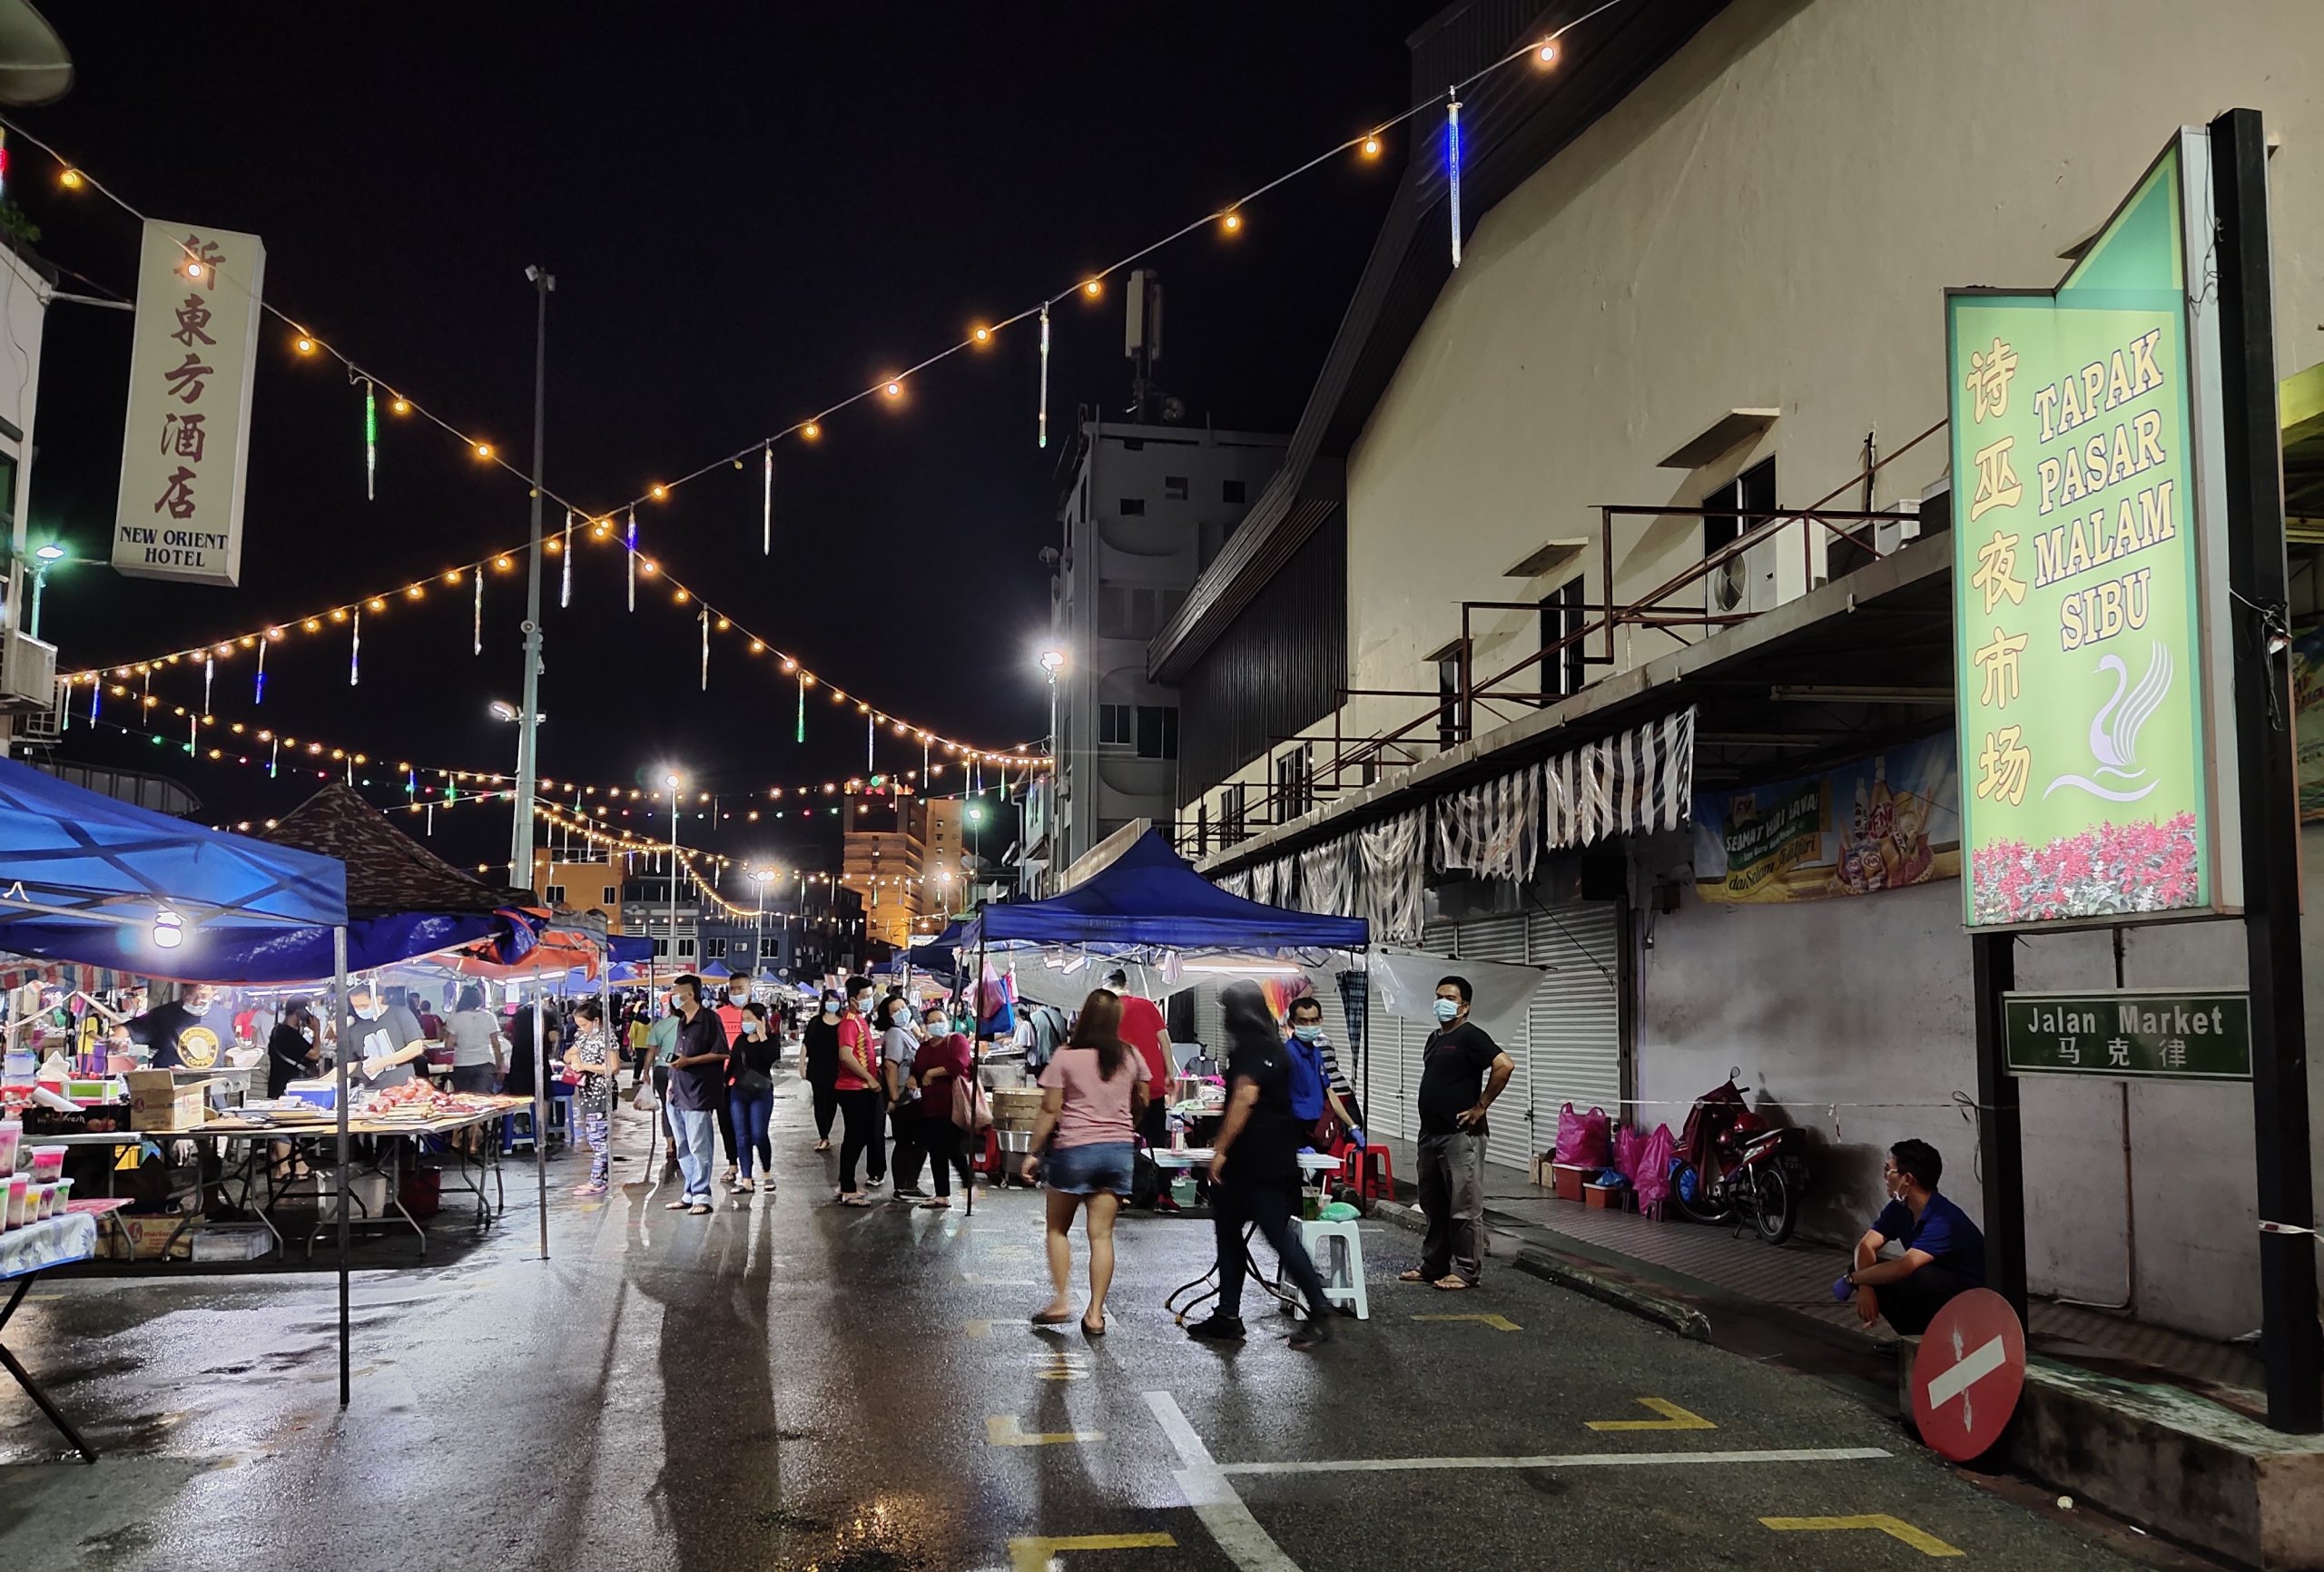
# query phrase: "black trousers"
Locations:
[[1910, 1305], [827, 1108], [859, 1115], [1233, 1208], [904, 1125], [945, 1144], [726, 1130]]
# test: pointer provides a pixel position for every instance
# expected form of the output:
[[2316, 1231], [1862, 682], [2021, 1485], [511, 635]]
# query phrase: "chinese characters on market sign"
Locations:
[[187, 442], [2078, 611], [2196, 1036]]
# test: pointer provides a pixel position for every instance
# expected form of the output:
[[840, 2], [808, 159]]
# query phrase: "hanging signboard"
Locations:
[[1876, 824], [2188, 1037], [187, 442], [2091, 789]]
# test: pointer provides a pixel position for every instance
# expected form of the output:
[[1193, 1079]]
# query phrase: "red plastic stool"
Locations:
[[1372, 1172]]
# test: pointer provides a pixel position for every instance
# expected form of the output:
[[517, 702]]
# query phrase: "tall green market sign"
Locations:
[[2088, 791]]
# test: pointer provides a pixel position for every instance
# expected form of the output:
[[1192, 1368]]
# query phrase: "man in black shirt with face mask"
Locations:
[[1462, 1070]]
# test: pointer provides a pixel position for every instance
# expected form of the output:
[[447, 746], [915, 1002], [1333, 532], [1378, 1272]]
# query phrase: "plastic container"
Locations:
[[47, 1164], [17, 1184], [63, 1191], [12, 1137], [40, 1201]]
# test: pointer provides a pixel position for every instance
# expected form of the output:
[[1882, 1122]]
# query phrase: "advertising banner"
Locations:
[[1881, 823], [187, 441], [2078, 599]]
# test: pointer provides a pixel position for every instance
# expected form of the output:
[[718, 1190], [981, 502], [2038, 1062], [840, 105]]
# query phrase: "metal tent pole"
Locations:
[[339, 1059], [540, 1116]]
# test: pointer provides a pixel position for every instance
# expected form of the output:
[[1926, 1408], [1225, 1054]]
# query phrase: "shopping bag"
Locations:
[[970, 1111], [1651, 1177], [646, 1102], [1582, 1138], [1628, 1142]]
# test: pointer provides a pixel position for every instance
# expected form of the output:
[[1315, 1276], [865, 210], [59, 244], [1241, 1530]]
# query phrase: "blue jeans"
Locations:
[[750, 1111], [695, 1132]]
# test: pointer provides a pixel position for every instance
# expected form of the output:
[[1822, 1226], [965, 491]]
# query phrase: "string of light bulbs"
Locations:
[[1229, 219]]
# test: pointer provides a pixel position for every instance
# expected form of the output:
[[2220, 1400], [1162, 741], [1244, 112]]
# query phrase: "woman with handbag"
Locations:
[[949, 1104], [1092, 1092], [590, 1065]]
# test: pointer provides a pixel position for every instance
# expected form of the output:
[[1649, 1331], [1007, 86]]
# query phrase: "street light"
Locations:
[[51, 553], [671, 781]]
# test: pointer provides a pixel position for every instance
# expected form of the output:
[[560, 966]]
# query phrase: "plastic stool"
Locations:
[[1372, 1174], [509, 1129], [1337, 1251]]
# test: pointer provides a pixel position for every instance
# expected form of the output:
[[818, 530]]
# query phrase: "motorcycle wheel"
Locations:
[[1700, 1208], [1776, 1213]]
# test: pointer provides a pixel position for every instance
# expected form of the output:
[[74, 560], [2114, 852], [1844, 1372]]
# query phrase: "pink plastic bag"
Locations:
[[1583, 1137], [1652, 1179], [1629, 1141]]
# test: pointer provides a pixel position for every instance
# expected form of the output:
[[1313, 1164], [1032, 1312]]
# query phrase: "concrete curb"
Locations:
[[1684, 1320]]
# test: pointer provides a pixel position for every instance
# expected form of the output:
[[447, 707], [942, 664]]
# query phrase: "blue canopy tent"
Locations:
[[104, 883], [1150, 900]]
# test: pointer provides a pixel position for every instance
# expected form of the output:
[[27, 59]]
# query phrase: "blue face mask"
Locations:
[[1308, 1033], [1446, 1009]]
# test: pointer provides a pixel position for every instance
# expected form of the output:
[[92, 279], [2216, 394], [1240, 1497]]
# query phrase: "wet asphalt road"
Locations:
[[794, 1385]]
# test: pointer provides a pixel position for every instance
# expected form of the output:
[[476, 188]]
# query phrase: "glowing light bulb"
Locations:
[[452, 576], [659, 492], [981, 334], [812, 430], [193, 270], [484, 450], [1094, 288], [893, 389], [1547, 53], [1372, 145], [377, 604], [400, 404], [501, 563], [306, 346], [70, 180], [1231, 221]]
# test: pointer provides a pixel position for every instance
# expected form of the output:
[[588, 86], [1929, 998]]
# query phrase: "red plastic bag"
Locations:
[[1629, 1140], [1652, 1179], [1583, 1137]]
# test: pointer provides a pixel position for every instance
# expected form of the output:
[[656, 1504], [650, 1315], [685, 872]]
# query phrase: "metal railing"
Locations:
[[1451, 716]]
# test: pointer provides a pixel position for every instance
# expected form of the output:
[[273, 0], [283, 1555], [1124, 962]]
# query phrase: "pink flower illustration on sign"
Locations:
[[2110, 870]]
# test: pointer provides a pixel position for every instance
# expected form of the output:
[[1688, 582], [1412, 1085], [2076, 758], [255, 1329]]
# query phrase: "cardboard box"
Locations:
[[1016, 1108], [148, 1238], [1567, 1179], [158, 1100], [1542, 1177]]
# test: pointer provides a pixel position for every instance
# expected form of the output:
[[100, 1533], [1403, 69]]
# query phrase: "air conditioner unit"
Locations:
[[28, 673], [1888, 533]]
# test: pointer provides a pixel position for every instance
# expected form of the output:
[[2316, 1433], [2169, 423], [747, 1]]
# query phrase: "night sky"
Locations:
[[750, 213]]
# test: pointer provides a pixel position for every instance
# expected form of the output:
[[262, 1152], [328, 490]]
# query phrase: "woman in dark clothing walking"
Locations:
[[749, 1093], [819, 1065]]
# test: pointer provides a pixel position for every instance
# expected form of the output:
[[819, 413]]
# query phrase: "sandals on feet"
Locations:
[[1414, 1275]]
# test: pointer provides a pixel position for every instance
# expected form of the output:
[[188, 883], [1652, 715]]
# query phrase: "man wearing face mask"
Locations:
[[1944, 1253], [1454, 1093], [859, 1105], [180, 1035], [387, 1037], [1318, 1086], [819, 1064]]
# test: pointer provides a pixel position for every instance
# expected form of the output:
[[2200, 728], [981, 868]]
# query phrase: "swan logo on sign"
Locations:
[[2115, 730]]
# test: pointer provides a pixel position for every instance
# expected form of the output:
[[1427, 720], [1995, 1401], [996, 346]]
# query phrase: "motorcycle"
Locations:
[[1734, 1166]]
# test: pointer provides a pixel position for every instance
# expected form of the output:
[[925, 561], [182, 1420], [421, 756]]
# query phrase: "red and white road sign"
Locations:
[[1968, 1375]]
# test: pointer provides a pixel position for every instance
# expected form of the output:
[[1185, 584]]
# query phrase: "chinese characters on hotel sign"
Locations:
[[187, 444], [2194, 1037], [2080, 655]]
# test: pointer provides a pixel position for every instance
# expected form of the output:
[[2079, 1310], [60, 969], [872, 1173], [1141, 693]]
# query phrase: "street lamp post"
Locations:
[[528, 718], [1053, 661], [672, 783]]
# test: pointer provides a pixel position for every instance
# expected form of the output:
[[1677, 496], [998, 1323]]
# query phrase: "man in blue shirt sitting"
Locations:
[[1945, 1254]]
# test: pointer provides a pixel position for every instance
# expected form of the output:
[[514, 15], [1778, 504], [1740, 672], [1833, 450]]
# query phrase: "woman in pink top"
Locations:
[[1095, 1087]]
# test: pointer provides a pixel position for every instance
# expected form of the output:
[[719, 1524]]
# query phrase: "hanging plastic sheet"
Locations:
[[1407, 979], [1327, 878], [1394, 875], [1492, 830]]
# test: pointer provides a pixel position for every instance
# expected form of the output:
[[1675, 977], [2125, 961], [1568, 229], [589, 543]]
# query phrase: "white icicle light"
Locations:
[[1453, 163], [1045, 375]]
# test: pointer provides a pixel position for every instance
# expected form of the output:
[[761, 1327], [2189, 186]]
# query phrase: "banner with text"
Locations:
[[1877, 823], [187, 442], [2078, 617]]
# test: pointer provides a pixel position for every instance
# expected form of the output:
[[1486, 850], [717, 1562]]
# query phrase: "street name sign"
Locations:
[[2163, 1036]]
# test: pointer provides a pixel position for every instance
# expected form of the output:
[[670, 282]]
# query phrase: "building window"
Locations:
[[1450, 721], [610, 896], [554, 895], [661, 949], [1230, 815], [1562, 617], [685, 949], [1294, 784], [1232, 491], [1158, 730], [1174, 487], [1133, 507], [1751, 495], [1113, 725], [716, 948]]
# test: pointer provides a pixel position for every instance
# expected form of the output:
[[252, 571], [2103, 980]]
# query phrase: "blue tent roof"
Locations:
[[1150, 898], [90, 879]]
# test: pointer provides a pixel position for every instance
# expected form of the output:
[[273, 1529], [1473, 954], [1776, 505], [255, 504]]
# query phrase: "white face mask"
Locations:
[[372, 1011]]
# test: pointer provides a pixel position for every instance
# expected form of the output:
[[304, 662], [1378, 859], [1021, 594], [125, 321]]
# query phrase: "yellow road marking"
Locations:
[[1498, 1322], [1895, 1527], [1000, 1431], [1033, 1555], [1674, 1418]]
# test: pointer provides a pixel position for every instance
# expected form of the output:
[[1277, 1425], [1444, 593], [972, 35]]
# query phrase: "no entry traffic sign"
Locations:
[[1968, 1375]]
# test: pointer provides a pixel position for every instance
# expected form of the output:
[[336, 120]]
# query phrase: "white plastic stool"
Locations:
[[1337, 1251]]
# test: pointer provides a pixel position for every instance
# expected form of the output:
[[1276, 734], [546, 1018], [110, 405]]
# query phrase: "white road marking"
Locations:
[[1565, 1460], [1974, 1367], [1213, 1498]]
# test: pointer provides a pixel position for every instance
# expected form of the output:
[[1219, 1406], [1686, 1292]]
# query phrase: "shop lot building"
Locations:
[[1653, 491]]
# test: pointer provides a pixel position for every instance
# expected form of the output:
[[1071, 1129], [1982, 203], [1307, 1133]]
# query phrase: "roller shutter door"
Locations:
[[1510, 1132], [1576, 1018]]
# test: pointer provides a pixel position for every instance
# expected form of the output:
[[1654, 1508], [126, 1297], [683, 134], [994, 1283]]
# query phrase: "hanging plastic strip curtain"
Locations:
[[1633, 782], [1262, 883], [1327, 879], [1236, 884], [1491, 830], [1286, 881], [1394, 875]]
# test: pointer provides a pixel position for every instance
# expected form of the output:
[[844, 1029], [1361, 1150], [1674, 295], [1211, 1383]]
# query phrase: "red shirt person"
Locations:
[[1143, 1029]]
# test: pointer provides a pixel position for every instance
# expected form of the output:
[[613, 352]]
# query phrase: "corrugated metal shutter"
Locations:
[[1510, 1139], [1576, 1031], [1210, 1025]]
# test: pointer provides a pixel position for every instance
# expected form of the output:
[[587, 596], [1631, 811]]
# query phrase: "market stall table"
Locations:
[[24, 1253]]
